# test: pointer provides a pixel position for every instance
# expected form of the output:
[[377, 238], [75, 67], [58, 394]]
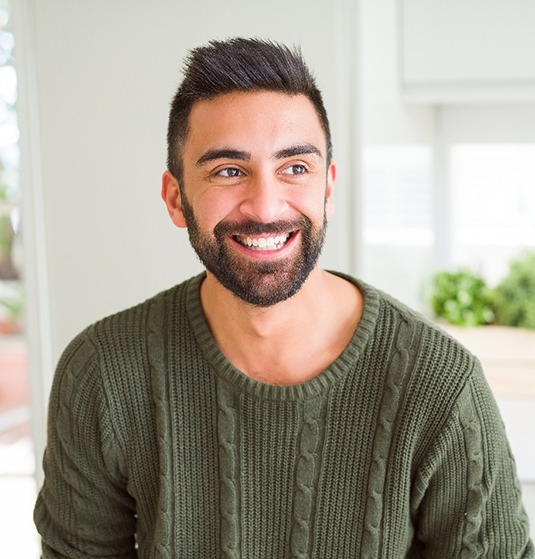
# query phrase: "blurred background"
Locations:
[[432, 106]]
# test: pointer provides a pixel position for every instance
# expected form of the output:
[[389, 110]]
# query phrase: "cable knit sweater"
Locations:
[[159, 448]]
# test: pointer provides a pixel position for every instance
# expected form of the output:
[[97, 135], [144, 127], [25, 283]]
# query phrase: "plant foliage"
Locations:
[[514, 297], [461, 298]]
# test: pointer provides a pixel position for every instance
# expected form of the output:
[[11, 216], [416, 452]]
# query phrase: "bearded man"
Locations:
[[268, 408]]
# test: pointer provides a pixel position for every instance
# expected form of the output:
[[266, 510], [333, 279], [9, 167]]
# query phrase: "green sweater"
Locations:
[[397, 450]]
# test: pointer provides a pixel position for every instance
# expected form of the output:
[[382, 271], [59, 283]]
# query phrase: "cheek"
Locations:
[[215, 208], [312, 205]]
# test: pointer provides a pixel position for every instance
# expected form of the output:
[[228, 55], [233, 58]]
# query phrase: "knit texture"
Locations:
[[159, 448]]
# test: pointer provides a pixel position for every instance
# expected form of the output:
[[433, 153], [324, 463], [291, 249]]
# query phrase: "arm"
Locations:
[[467, 501], [83, 510]]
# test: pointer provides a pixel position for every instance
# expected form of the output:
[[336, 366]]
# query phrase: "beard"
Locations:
[[259, 283]]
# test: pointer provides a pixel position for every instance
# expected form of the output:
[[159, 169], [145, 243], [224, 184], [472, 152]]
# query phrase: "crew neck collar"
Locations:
[[339, 369]]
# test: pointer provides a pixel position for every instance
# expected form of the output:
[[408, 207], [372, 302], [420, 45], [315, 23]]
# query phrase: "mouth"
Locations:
[[264, 242]]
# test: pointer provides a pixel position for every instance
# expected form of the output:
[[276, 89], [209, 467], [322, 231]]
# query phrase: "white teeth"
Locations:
[[264, 243]]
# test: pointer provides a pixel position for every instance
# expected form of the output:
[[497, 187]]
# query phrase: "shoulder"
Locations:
[[133, 326], [433, 347], [122, 343], [443, 382], [429, 365], [133, 321], [443, 377]]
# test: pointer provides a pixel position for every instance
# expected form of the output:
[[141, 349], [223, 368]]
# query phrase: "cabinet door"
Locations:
[[467, 50]]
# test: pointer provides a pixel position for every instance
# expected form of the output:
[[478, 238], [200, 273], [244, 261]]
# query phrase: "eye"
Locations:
[[295, 169], [229, 172]]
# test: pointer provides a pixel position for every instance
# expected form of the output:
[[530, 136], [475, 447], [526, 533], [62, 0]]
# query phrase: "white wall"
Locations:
[[106, 72], [98, 78], [388, 122]]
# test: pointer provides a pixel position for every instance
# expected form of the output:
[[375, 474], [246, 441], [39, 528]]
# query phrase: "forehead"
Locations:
[[263, 120]]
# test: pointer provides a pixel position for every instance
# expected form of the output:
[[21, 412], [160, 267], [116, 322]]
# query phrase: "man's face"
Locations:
[[257, 192]]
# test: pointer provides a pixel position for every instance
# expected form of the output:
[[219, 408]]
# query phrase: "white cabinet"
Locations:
[[460, 51]]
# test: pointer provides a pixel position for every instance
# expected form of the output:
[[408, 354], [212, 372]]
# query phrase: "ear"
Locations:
[[171, 197], [329, 193]]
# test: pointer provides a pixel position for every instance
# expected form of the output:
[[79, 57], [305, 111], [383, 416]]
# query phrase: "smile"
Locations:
[[262, 242]]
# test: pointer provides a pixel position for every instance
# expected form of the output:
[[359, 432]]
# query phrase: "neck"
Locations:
[[290, 342]]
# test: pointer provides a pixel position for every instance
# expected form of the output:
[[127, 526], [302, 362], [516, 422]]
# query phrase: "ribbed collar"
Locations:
[[339, 369]]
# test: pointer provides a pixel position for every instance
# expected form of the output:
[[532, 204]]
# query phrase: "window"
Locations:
[[490, 155], [493, 193], [17, 484], [398, 219]]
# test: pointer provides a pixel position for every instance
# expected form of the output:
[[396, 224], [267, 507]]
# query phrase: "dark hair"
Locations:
[[238, 65]]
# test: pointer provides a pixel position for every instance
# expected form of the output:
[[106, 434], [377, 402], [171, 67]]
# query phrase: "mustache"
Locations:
[[250, 227]]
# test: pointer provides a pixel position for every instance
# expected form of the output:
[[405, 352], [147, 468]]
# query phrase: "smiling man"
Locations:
[[250, 165], [268, 408]]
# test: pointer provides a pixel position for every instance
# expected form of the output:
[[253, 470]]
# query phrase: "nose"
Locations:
[[264, 200]]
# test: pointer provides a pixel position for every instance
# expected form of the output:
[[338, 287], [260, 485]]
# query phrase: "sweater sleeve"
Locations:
[[83, 509], [468, 497]]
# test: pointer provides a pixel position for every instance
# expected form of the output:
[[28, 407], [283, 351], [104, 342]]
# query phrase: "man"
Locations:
[[268, 408]]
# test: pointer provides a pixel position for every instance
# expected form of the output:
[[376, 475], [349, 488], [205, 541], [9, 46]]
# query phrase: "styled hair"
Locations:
[[244, 65]]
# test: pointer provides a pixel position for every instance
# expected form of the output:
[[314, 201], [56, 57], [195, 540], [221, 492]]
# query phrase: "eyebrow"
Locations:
[[223, 153], [229, 153], [299, 149]]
